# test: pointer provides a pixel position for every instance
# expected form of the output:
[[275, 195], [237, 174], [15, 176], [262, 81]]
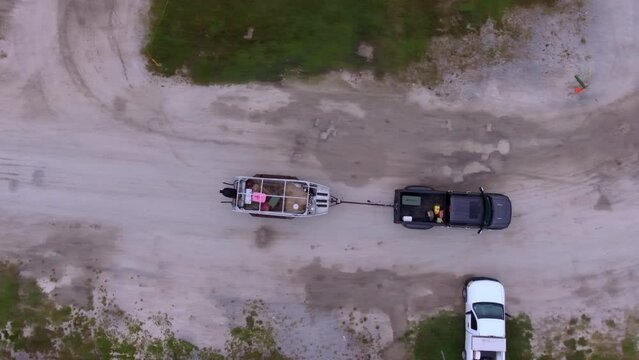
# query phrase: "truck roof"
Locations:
[[466, 209]]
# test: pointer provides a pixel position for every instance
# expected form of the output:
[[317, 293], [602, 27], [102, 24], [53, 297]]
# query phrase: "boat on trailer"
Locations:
[[278, 196]]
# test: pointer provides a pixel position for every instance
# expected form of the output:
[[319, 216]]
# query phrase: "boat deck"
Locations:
[[273, 195]]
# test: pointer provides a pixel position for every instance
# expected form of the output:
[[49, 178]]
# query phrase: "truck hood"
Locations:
[[491, 327], [502, 211]]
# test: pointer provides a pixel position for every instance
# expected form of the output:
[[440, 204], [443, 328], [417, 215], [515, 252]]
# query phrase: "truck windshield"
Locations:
[[488, 310], [488, 210]]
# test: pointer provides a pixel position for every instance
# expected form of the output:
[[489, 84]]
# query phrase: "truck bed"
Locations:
[[416, 204]]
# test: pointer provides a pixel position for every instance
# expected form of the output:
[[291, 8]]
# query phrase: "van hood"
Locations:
[[486, 291]]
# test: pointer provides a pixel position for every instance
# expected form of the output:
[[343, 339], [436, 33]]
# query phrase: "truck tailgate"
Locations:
[[488, 344]]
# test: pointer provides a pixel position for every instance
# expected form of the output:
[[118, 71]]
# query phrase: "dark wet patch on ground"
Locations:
[[395, 295], [70, 257], [264, 236], [5, 9], [603, 204]]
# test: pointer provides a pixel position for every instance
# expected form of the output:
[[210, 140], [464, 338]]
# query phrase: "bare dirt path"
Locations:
[[103, 166]]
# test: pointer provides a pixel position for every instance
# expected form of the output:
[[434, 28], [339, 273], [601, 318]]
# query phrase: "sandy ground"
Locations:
[[106, 168]]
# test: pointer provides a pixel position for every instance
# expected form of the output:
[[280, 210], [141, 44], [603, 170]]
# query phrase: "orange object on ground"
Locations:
[[578, 90]]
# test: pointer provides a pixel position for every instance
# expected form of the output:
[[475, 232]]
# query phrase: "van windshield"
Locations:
[[487, 310]]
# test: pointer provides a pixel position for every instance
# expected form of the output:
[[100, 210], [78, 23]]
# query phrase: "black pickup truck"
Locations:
[[421, 207]]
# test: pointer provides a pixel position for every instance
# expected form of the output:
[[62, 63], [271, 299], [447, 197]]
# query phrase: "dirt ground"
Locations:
[[106, 168]]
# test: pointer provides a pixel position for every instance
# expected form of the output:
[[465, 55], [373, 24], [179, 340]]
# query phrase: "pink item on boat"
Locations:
[[258, 197]]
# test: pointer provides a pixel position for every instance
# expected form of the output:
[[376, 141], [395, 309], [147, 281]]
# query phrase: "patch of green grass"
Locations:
[[442, 333], [23, 304], [584, 343], [214, 43], [178, 348], [103, 343], [629, 347], [9, 292], [155, 349], [44, 330], [254, 340], [475, 12], [545, 357], [570, 345], [576, 355], [519, 333]]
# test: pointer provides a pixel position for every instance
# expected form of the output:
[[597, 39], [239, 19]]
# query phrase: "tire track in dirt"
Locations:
[[84, 17], [5, 9], [602, 151], [68, 16], [115, 46]]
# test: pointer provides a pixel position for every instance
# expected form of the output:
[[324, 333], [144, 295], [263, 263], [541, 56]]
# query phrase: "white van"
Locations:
[[485, 319]]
